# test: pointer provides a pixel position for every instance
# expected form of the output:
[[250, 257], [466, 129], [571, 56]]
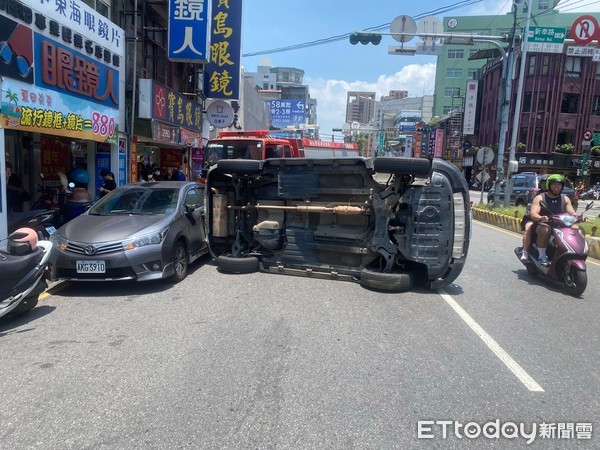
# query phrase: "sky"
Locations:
[[334, 68]]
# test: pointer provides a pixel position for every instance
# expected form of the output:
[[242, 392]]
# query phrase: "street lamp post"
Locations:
[[381, 125]]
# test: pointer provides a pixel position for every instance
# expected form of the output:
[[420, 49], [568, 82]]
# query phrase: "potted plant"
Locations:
[[565, 149]]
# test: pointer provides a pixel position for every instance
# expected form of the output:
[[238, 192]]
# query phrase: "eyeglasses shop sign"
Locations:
[[220, 114]]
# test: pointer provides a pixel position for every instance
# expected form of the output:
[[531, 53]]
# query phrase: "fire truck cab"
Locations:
[[258, 145]]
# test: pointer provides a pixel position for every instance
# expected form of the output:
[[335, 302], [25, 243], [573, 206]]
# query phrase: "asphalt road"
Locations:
[[270, 361]]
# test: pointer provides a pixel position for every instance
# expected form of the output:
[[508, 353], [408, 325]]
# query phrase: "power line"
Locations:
[[340, 37]]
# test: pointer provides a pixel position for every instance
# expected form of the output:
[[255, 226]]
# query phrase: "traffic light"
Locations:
[[364, 38]]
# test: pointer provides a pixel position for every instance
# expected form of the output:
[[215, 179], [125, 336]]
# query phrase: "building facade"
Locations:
[[63, 81], [454, 68]]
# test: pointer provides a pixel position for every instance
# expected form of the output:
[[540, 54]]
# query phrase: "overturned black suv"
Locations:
[[386, 223]]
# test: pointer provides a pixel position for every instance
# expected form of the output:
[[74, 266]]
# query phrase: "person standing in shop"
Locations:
[[15, 193]]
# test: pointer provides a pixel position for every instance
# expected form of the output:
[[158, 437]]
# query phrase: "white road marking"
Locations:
[[493, 345]]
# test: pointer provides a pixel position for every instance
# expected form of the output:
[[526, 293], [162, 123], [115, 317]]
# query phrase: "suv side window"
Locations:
[[520, 182]]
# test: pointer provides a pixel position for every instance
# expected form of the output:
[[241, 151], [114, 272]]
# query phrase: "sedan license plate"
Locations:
[[91, 267]]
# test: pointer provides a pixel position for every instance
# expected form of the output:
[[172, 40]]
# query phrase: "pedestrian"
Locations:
[[180, 174], [109, 183], [15, 192], [170, 176]]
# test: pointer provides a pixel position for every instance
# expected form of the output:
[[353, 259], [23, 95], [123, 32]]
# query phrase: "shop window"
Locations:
[[545, 65], [596, 106], [451, 92], [527, 102], [541, 107], [570, 103], [573, 67], [453, 73], [537, 139], [455, 53], [531, 69]]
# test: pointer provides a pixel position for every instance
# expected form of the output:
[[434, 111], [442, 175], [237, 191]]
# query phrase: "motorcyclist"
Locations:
[[527, 222], [557, 204], [80, 178]]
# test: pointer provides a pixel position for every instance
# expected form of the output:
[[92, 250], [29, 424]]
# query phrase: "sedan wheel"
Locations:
[[180, 262]]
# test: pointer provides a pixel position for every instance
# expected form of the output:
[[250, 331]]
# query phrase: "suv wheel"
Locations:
[[419, 167], [231, 264], [386, 282], [249, 166]]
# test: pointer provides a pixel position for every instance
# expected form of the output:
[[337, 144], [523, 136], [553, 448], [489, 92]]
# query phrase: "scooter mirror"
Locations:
[[589, 206]]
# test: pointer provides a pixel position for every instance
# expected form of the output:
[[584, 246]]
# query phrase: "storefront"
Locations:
[[167, 129], [567, 165], [61, 93]]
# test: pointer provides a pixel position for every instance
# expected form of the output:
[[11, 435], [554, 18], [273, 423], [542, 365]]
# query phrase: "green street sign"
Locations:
[[381, 140], [547, 35]]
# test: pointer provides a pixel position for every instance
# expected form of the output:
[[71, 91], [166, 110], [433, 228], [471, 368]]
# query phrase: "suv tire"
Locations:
[[249, 166], [386, 282], [231, 264], [419, 167]]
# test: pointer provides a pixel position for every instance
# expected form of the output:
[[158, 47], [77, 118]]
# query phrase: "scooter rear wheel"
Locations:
[[575, 281]]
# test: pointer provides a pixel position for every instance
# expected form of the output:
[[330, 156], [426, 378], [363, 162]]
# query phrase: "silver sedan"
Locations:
[[140, 231]]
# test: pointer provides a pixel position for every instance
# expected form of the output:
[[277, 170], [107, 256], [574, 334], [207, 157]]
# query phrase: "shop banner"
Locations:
[[439, 143], [222, 73], [55, 158], [25, 107], [122, 175], [170, 157], [160, 102], [102, 162], [134, 160], [168, 134]]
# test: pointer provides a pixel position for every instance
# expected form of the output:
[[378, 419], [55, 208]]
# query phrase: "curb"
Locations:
[[514, 224]]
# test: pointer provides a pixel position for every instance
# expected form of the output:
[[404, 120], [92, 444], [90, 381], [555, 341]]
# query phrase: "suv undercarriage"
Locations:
[[386, 223]]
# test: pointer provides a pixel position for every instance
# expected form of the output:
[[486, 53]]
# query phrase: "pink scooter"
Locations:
[[567, 251]]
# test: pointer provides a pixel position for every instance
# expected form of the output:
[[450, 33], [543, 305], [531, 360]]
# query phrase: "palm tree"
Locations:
[[12, 97]]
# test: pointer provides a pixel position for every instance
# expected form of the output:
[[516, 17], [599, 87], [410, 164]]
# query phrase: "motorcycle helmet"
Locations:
[[22, 241], [80, 177], [555, 178]]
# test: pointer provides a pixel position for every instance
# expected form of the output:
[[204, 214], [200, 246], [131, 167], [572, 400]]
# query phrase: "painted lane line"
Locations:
[[512, 365]]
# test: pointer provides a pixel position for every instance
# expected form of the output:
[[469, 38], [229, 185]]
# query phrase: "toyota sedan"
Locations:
[[140, 231]]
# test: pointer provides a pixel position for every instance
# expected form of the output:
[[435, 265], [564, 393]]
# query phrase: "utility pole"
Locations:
[[504, 104], [516, 131]]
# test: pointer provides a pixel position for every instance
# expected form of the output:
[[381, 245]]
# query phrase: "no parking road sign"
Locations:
[[584, 29]]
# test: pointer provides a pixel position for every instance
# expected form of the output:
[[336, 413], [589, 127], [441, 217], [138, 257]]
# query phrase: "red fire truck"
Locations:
[[259, 145]]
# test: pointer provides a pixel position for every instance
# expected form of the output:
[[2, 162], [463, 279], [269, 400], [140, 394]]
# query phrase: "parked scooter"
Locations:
[[55, 206], [23, 264], [567, 251], [43, 221]]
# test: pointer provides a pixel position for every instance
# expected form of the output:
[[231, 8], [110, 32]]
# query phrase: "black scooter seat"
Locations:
[[15, 267]]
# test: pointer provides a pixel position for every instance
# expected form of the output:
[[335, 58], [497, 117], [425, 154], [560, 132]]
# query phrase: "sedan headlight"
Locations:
[[58, 241], [147, 239]]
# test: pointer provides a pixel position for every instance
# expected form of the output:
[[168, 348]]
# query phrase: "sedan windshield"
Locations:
[[137, 201]]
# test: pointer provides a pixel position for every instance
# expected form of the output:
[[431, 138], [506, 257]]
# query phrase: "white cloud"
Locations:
[[417, 79]]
